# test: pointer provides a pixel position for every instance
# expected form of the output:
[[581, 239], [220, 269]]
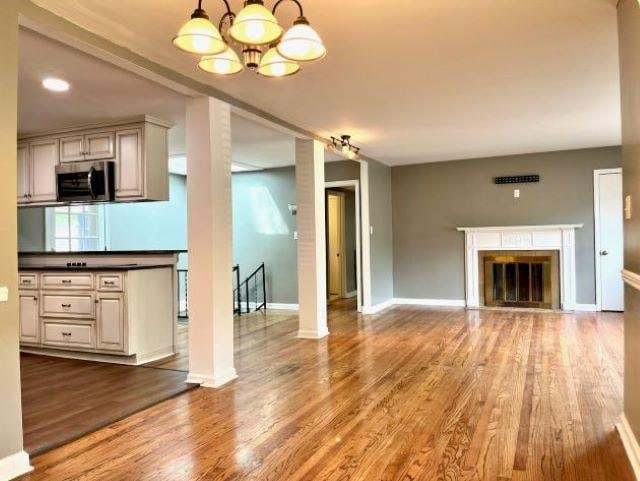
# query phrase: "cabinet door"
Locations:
[[23, 173], [72, 148], [29, 320], [130, 164], [110, 322], [99, 146], [44, 158]]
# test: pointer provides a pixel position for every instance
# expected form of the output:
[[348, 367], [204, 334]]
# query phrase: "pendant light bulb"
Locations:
[[225, 63], [275, 65], [255, 25], [346, 149], [302, 43], [199, 36]]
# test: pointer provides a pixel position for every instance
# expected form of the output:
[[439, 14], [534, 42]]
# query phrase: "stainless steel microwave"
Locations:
[[86, 181]]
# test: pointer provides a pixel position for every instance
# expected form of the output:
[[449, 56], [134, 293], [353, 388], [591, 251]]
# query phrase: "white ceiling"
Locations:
[[101, 92], [417, 81]]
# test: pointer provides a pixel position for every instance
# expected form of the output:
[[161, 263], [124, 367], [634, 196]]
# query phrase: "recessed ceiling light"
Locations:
[[55, 84]]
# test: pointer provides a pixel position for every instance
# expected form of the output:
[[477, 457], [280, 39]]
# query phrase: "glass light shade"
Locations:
[[301, 43], [275, 65], [225, 63], [255, 25], [199, 36], [346, 149]]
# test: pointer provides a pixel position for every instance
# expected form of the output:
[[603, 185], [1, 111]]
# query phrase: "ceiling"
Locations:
[[418, 81], [102, 92]]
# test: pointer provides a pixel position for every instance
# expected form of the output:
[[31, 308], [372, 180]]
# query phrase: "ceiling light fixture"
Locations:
[[349, 150], [252, 29], [56, 84]]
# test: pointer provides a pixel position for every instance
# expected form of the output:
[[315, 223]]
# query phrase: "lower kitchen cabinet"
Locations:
[[110, 321], [125, 316], [29, 317]]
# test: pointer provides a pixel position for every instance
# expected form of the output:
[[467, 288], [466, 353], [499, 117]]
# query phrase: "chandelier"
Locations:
[[264, 45], [349, 150]]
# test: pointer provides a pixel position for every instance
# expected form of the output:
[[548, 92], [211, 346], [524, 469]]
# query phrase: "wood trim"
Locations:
[[631, 279], [630, 443], [15, 465]]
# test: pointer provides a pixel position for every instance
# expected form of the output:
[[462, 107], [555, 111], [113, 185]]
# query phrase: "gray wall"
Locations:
[[629, 34], [380, 219], [431, 200], [263, 229]]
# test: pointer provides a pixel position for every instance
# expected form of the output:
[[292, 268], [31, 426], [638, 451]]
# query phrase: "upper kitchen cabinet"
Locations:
[[138, 147]]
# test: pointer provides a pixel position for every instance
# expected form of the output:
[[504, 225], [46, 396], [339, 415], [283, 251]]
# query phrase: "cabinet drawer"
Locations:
[[68, 305], [28, 281], [109, 282], [67, 281], [68, 334]]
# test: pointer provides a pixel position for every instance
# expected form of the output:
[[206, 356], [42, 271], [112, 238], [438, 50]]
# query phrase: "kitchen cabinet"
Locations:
[[29, 317], [92, 146], [126, 315], [138, 147], [110, 321]]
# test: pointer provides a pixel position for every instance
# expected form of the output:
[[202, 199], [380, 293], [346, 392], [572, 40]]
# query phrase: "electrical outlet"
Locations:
[[295, 235], [516, 193], [4, 294], [370, 230], [627, 207]]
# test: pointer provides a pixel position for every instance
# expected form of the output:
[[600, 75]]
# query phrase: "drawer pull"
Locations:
[[109, 283], [26, 281], [66, 305], [66, 334], [66, 281]]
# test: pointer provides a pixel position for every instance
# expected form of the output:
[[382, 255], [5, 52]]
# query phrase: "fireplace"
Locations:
[[527, 279]]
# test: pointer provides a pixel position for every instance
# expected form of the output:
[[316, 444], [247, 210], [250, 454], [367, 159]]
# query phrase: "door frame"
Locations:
[[596, 227], [359, 277]]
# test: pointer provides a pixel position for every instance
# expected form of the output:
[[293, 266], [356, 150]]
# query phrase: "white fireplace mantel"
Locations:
[[515, 238]]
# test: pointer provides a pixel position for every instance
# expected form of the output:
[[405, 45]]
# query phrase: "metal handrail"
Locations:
[[247, 282]]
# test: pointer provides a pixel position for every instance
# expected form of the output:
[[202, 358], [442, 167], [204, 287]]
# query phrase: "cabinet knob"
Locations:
[[97, 300], [35, 298]]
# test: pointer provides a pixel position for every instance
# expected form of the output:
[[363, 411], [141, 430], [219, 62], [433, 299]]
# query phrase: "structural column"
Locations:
[[312, 270], [13, 460], [208, 134]]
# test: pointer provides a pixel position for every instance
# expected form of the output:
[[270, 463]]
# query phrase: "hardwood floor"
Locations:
[[63, 399], [408, 394]]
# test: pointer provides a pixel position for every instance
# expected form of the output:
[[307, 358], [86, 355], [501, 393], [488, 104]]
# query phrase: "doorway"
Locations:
[[608, 216], [343, 244]]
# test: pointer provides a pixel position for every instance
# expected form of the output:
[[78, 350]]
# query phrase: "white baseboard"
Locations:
[[586, 308], [350, 295], [378, 307], [276, 306], [630, 443], [15, 465], [310, 334], [212, 381], [431, 302]]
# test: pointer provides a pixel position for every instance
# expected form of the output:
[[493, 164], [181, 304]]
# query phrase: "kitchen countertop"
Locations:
[[114, 267]]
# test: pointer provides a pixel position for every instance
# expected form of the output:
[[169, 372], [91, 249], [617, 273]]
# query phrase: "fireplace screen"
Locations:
[[518, 281]]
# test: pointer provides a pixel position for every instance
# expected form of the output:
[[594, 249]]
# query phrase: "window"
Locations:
[[75, 228]]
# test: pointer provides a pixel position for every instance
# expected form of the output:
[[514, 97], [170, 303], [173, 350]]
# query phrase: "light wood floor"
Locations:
[[409, 394]]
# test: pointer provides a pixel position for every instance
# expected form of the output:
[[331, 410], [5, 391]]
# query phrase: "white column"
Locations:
[[208, 134], [312, 270]]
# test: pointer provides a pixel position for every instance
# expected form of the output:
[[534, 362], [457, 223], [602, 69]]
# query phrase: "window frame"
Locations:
[[50, 227]]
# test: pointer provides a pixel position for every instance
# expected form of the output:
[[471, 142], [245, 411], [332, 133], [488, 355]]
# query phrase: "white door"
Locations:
[[23, 173], [129, 171], [610, 255], [110, 322], [44, 158], [29, 317], [334, 251]]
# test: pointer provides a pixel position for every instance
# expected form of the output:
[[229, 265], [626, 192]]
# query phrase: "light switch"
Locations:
[[4, 294], [627, 207], [295, 235], [516, 193]]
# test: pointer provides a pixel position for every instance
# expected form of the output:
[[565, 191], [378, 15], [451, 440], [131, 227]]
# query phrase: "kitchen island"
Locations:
[[117, 307]]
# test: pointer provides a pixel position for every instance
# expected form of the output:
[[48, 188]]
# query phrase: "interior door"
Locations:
[[610, 255], [334, 251]]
